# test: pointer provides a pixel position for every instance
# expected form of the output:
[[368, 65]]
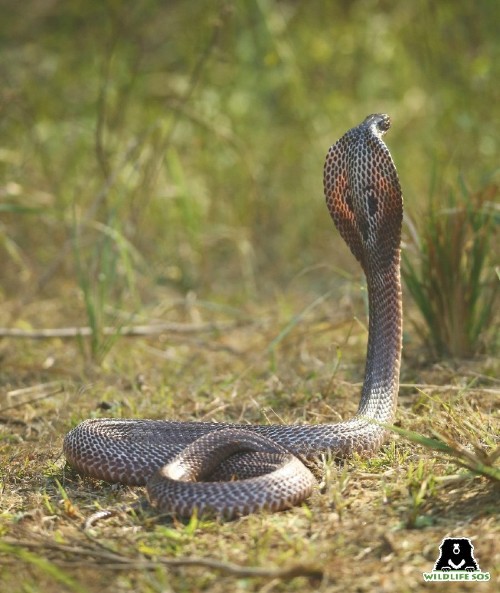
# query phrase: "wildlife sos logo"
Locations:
[[456, 562]]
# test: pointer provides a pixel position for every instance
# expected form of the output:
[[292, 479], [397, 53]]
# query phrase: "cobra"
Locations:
[[232, 470]]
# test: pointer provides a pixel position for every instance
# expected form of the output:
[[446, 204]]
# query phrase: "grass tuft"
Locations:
[[104, 263], [450, 272]]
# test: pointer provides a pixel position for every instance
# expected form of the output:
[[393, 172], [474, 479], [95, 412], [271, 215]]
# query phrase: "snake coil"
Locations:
[[192, 465]]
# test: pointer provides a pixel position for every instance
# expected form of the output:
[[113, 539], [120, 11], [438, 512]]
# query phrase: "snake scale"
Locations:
[[232, 470]]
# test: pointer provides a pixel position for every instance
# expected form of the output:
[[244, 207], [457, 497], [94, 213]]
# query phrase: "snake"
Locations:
[[232, 470]]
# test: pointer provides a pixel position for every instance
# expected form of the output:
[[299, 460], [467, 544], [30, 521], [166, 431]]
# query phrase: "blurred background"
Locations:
[[150, 149]]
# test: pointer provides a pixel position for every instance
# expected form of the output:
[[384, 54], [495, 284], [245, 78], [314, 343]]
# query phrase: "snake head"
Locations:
[[378, 123], [363, 193]]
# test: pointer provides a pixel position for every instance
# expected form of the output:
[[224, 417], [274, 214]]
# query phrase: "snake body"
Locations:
[[191, 466]]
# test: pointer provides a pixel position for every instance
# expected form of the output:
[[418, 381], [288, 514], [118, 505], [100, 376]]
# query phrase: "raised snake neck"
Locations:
[[364, 198]]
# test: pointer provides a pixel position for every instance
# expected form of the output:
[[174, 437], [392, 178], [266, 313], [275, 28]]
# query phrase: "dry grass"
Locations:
[[156, 152], [375, 525]]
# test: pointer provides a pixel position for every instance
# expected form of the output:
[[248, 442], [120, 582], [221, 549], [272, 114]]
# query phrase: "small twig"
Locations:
[[424, 386], [45, 388], [115, 561], [30, 401], [134, 330], [41, 391], [14, 421], [482, 376], [230, 569], [107, 513], [431, 387]]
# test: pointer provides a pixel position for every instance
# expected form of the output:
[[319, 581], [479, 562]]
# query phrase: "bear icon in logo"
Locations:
[[456, 554]]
